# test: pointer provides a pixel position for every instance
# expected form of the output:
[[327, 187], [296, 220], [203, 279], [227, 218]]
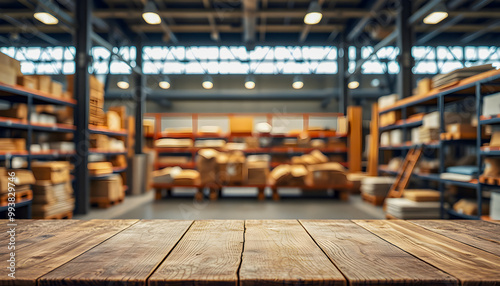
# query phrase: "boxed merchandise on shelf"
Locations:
[[187, 178], [387, 100], [28, 81], [18, 111], [44, 83], [173, 143], [100, 168], [326, 174], [119, 161], [206, 163], [415, 136], [13, 144], [469, 207], [258, 169], [149, 126], [56, 172], [210, 143], [403, 208], [231, 167], [342, 125], [113, 121], [50, 200], [396, 137], [389, 118], [491, 105], [385, 139], [56, 89], [9, 69], [121, 111], [424, 86], [427, 135], [240, 124], [22, 178], [109, 188]]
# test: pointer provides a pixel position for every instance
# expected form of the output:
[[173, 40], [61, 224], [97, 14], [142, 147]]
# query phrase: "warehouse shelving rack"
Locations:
[[477, 87], [229, 137], [19, 94]]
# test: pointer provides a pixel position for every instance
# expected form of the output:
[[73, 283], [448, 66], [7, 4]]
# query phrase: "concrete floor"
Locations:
[[319, 206]]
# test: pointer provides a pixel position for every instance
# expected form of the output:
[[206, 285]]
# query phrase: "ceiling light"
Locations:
[[123, 83], [375, 82], [207, 82], [150, 14], [298, 83], [250, 82], [313, 15], [164, 83], [438, 15], [353, 84], [46, 18]]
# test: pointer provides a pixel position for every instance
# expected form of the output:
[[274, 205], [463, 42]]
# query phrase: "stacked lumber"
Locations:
[[52, 192], [415, 204], [96, 114], [107, 191]]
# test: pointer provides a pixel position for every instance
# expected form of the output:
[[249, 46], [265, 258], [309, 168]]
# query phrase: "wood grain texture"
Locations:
[[480, 234], [470, 265], [39, 258], [280, 252], [130, 255], [366, 259], [208, 254]]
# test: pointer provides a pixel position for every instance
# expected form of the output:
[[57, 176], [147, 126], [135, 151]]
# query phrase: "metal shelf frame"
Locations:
[[442, 98]]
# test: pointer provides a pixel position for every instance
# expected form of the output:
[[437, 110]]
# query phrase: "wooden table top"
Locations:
[[253, 252]]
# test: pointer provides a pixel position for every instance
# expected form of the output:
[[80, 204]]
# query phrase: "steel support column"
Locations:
[[82, 60], [140, 97], [404, 41], [343, 61]]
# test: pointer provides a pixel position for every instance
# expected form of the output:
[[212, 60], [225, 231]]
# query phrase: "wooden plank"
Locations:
[[280, 252], [473, 233], [470, 265], [208, 254], [131, 256], [366, 259], [374, 142], [44, 256], [38, 230], [355, 115]]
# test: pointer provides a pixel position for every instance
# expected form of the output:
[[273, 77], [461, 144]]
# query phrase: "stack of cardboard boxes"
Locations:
[[107, 190], [52, 192], [10, 69], [20, 188]]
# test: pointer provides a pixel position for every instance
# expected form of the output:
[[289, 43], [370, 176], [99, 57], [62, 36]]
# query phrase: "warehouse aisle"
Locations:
[[145, 207]]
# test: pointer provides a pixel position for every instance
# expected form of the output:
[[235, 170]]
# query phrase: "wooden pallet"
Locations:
[[495, 181], [21, 196], [104, 203], [457, 136], [374, 200], [64, 215]]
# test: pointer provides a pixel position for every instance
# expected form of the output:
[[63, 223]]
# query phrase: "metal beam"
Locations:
[[56, 11], [25, 27], [472, 36], [343, 65], [404, 41], [140, 97], [307, 28], [233, 29], [81, 92], [424, 11], [477, 5], [385, 42], [376, 5], [214, 35], [102, 42], [249, 21]]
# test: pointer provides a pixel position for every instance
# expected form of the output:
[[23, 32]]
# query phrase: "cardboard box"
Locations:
[[173, 143], [65, 115], [149, 126], [232, 168], [56, 89], [387, 100], [327, 174], [13, 144], [238, 124], [57, 172], [389, 118], [110, 187], [99, 141], [100, 168], [491, 104], [113, 121], [495, 139], [206, 163], [342, 125], [44, 192], [96, 84], [424, 86], [19, 111], [258, 171], [28, 81], [122, 113], [461, 128], [187, 178], [469, 207], [8, 75], [44, 83]]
